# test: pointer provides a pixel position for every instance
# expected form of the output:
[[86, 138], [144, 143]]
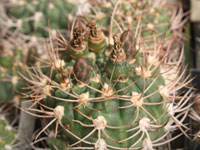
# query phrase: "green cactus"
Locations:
[[113, 95], [34, 16], [7, 135], [9, 79], [10, 82], [117, 101], [147, 17]]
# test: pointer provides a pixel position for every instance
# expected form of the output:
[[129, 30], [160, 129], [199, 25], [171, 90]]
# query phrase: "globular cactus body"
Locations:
[[112, 107], [116, 96], [119, 106]]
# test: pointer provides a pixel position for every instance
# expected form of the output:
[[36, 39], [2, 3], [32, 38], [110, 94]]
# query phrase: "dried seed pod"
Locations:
[[96, 40]]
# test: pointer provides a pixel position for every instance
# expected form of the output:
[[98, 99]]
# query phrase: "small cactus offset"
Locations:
[[106, 96]]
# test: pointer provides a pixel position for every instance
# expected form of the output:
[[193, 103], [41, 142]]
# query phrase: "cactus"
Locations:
[[154, 19], [7, 135], [109, 96], [105, 92], [33, 16], [9, 78], [12, 61]]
